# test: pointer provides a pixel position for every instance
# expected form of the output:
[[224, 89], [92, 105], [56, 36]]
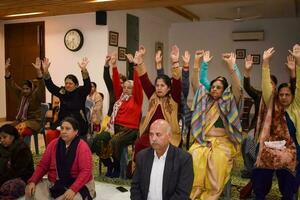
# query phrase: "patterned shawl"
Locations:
[[272, 126], [228, 109]]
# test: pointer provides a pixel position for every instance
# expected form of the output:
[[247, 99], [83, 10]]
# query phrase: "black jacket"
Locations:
[[177, 179], [15, 162]]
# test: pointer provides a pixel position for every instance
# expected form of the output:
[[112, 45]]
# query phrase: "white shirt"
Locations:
[[156, 177]]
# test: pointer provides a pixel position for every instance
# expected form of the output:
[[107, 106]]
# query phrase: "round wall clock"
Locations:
[[73, 40]]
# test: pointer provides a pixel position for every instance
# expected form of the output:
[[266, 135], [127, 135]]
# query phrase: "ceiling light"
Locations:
[[99, 1], [24, 14]]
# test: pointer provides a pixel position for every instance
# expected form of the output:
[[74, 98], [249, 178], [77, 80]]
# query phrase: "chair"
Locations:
[[88, 112], [44, 109], [248, 103]]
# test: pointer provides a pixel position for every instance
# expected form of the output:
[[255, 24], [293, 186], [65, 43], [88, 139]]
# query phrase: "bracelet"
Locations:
[[140, 63], [175, 62]]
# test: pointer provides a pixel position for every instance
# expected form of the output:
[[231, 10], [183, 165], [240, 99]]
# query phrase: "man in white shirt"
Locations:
[[163, 172]]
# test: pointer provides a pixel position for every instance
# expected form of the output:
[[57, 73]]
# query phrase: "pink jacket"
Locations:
[[81, 169]]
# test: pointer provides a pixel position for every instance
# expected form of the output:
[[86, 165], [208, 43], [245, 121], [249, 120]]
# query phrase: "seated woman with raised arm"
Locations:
[[72, 96], [126, 115], [69, 165], [96, 114], [277, 132], [217, 129], [28, 119], [16, 163], [164, 99]]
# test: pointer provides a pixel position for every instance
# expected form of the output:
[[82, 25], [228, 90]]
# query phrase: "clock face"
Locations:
[[73, 40]]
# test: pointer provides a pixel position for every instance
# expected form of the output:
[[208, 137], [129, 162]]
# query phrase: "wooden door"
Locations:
[[23, 43]]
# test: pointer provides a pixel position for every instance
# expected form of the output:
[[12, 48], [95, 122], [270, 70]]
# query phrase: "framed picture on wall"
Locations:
[[121, 53], [113, 38], [240, 53], [256, 59]]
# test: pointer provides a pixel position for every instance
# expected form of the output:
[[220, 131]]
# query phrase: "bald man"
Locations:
[[163, 171]]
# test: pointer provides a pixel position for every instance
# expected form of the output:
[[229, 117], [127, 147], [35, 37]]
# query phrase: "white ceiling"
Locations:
[[211, 11]]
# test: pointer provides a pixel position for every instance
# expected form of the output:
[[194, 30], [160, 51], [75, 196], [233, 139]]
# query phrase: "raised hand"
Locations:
[[291, 63], [83, 63], [142, 50], [206, 56], [158, 60], [296, 53], [37, 64], [198, 55], [174, 55], [186, 58], [138, 58], [107, 59], [158, 57], [113, 59], [268, 55], [46, 64], [248, 65], [230, 59], [129, 57], [7, 63]]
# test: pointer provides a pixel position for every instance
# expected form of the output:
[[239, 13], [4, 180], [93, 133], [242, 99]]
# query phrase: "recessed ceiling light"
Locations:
[[24, 14], [99, 1]]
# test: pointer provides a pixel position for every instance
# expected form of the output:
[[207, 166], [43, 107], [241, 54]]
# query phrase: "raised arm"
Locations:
[[195, 74], [158, 63], [148, 88], [252, 92], [267, 89], [86, 88], [296, 54], [230, 60], [137, 91], [291, 66], [109, 85], [9, 82], [185, 74], [53, 89], [116, 79], [204, 68], [40, 90], [131, 65], [176, 74]]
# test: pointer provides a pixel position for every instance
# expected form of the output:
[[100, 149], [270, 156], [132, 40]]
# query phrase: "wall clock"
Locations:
[[73, 39]]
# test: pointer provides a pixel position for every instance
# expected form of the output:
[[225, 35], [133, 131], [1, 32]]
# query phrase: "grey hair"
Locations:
[[130, 82]]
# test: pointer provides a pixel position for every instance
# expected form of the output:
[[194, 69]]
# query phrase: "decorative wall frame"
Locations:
[[256, 59], [121, 53], [113, 38], [240, 53]]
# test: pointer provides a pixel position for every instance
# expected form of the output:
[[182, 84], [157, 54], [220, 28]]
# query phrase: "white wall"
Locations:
[[151, 28], [216, 37], [95, 45], [63, 61]]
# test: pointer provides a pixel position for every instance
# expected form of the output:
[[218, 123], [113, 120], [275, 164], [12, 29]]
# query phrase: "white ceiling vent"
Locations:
[[248, 36]]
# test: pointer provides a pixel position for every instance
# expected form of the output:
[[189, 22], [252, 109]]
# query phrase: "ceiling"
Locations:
[[172, 10]]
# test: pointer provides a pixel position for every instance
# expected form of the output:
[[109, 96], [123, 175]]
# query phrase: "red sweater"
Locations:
[[81, 169], [129, 114]]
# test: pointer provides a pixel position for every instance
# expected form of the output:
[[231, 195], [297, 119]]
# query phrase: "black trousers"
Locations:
[[262, 183]]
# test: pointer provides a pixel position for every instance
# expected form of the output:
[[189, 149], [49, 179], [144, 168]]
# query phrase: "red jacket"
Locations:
[[129, 114], [81, 169]]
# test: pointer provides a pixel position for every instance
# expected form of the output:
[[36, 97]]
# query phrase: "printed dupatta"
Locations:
[[229, 113], [272, 126]]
